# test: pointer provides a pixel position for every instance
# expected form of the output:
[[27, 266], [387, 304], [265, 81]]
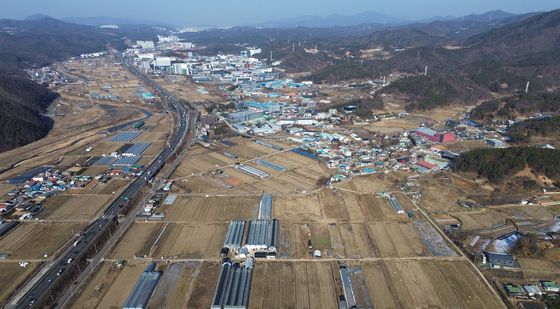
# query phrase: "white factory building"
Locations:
[[146, 44]]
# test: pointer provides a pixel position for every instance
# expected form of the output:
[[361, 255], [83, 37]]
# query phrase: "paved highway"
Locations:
[[86, 239]]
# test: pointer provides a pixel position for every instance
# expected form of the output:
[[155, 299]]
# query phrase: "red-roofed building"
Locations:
[[426, 164], [435, 136]]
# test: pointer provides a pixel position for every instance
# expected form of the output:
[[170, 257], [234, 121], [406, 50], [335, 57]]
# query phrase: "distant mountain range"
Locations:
[[105, 20], [335, 20]]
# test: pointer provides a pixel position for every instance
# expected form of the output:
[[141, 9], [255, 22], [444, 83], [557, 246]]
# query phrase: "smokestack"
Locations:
[[527, 87], [426, 71]]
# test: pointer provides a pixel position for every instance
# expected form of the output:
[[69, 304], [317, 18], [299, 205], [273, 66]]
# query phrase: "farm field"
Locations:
[[183, 285], [192, 209], [175, 285], [295, 285], [426, 284], [351, 240], [34, 240], [74, 207], [110, 286], [137, 241], [12, 275], [480, 219], [191, 241], [336, 206]]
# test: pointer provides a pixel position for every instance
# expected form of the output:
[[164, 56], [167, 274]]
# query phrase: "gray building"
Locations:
[[500, 260], [244, 116]]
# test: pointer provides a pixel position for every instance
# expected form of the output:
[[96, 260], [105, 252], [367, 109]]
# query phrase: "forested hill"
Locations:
[[34, 43], [498, 165], [21, 103]]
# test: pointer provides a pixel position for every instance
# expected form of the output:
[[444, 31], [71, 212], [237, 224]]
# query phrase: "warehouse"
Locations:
[[271, 166], [262, 235], [234, 285], [252, 171], [125, 137], [144, 288], [265, 207], [234, 235]]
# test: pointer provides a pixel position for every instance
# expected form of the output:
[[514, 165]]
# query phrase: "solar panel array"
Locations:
[[105, 161], [125, 137], [126, 161], [136, 149]]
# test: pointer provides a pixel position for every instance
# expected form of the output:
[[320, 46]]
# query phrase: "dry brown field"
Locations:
[[539, 268], [74, 207], [175, 285], [13, 275], [5, 188], [137, 241], [212, 209], [426, 284], [110, 286], [34, 240], [191, 241], [480, 219], [294, 285]]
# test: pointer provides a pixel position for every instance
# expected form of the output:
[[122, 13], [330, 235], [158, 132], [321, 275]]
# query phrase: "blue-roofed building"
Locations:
[[269, 107]]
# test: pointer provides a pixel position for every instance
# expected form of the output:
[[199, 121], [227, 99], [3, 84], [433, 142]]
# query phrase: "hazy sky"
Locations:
[[235, 12]]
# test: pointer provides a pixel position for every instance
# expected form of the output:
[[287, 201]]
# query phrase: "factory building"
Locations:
[[144, 288], [181, 69], [234, 235], [163, 62], [262, 236], [245, 116], [234, 286]]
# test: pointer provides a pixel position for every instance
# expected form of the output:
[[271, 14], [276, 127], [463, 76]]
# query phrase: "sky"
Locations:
[[246, 12]]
